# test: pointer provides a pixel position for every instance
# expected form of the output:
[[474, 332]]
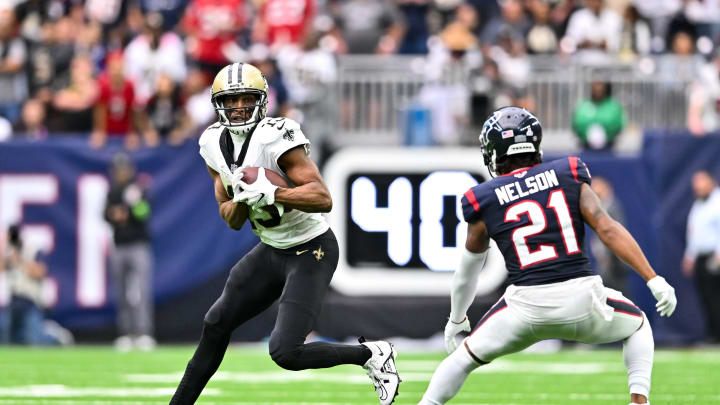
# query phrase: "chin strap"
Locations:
[[239, 133]]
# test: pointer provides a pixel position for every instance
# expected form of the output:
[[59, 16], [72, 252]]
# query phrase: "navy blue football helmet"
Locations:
[[509, 131]]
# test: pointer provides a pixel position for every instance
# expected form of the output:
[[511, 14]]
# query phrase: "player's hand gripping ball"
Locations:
[[256, 186]]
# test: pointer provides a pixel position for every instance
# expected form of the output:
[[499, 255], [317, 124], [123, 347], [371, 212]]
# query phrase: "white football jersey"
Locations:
[[270, 139]]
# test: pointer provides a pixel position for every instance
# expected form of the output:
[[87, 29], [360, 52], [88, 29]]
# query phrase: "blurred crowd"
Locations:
[[140, 69]]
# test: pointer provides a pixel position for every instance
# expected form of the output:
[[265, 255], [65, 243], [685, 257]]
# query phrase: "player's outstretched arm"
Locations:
[[464, 282], [310, 193], [234, 214], [613, 234], [619, 240]]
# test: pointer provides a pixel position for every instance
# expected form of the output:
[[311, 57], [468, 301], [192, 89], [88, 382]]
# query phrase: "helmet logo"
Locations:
[[507, 134]]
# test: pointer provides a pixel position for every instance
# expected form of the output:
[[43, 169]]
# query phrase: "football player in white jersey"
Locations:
[[298, 252]]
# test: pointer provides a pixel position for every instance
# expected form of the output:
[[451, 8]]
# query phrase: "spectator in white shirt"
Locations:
[[703, 115], [594, 29], [196, 93], [702, 253], [151, 53], [706, 15], [659, 13], [636, 35]]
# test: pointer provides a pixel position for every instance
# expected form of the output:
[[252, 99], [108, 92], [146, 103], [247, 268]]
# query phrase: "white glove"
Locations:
[[664, 294], [452, 329], [258, 194], [235, 178]]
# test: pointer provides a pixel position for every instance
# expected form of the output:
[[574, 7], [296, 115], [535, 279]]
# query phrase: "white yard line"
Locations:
[[62, 391], [578, 396], [421, 371], [522, 366], [486, 398], [80, 401]]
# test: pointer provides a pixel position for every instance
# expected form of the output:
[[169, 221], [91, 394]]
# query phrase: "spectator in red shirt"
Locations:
[[283, 22], [114, 113], [212, 28]]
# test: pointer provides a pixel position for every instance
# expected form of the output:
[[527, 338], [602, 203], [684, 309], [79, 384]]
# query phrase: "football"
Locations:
[[250, 175]]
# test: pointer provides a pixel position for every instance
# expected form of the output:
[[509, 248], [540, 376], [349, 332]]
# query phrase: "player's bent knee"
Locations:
[[212, 325], [287, 359], [285, 351], [212, 331], [212, 316]]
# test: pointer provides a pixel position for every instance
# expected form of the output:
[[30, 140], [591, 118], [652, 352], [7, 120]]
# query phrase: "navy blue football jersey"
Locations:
[[533, 214]]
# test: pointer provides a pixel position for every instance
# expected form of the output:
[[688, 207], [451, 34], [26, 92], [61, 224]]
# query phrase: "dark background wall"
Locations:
[[194, 249]]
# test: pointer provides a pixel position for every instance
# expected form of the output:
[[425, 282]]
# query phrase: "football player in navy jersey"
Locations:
[[536, 213]]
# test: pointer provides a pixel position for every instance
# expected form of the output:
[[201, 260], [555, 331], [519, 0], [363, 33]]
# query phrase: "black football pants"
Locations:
[[299, 276]]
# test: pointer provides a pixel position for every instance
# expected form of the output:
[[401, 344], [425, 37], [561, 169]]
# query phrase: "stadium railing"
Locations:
[[365, 103]]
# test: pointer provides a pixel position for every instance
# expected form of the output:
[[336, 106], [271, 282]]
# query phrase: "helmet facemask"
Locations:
[[488, 152], [240, 79], [254, 112]]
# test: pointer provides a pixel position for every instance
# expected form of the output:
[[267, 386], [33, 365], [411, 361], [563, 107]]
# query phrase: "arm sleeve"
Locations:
[[464, 283], [206, 154]]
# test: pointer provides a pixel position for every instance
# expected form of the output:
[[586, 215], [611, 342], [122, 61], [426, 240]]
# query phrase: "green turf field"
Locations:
[[99, 375]]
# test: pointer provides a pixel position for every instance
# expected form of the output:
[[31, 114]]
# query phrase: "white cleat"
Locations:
[[380, 367]]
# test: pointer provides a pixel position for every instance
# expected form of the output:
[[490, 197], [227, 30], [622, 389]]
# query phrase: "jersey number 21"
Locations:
[[538, 222]]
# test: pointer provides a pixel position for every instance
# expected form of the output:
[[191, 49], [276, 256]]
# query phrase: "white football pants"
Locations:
[[580, 310]]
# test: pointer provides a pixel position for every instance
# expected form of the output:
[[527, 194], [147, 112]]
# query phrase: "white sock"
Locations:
[[646, 403], [449, 377], [638, 352]]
